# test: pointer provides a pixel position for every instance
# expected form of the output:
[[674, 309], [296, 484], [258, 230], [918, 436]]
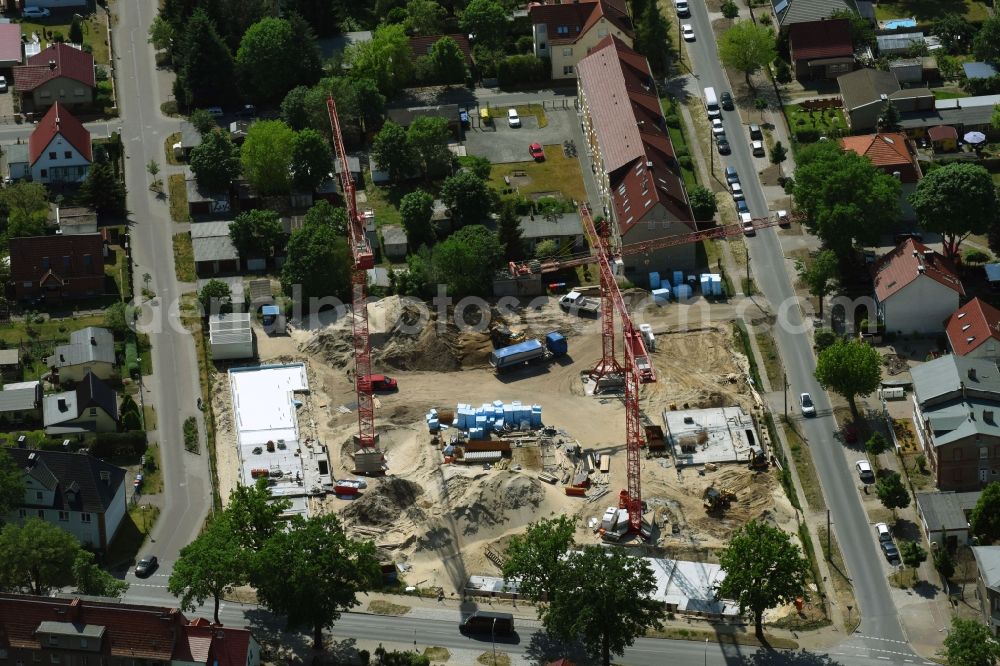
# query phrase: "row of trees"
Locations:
[[308, 571]]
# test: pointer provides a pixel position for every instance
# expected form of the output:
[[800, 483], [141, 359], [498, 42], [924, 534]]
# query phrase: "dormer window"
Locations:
[[562, 30]]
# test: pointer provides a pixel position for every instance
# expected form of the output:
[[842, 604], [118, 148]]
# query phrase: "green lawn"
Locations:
[[928, 10], [557, 173], [177, 192], [94, 33], [50, 329], [825, 121], [679, 142], [184, 257], [949, 94]]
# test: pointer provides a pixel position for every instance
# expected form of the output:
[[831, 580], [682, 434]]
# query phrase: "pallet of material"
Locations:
[[573, 491], [581, 480], [547, 478], [487, 445], [605, 463]]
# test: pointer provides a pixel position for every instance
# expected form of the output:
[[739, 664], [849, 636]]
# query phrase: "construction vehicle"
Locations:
[[718, 499], [758, 459], [576, 302], [529, 351], [503, 336]]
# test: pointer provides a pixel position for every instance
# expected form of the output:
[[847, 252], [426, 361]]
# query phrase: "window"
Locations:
[[93, 412], [52, 154], [45, 260], [567, 50], [35, 656], [88, 260], [54, 641], [38, 495], [541, 47], [79, 92], [602, 32], [63, 516], [68, 154], [84, 517], [567, 70], [984, 453], [54, 658], [562, 30], [83, 643], [44, 173], [45, 93]]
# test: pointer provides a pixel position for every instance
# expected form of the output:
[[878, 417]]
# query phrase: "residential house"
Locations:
[[891, 153], [57, 268], [965, 114], [230, 336], [421, 46], [866, 91], [21, 402], [202, 201], [945, 517], [821, 49], [988, 584], [11, 45], [565, 33], [403, 117], [214, 252], [59, 150], [91, 407], [16, 157], [90, 350], [58, 73], [944, 138], [190, 139], [10, 364], [75, 631], [974, 330], [74, 491], [956, 400], [898, 43], [790, 12], [394, 242], [565, 229], [916, 289], [72, 221], [635, 166]]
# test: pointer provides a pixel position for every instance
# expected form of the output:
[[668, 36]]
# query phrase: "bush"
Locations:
[[921, 461], [673, 120], [730, 10], [525, 44], [824, 338], [685, 161], [807, 135], [782, 72], [127, 444], [519, 68], [876, 444]]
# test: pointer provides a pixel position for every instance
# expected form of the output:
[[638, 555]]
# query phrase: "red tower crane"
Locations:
[[362, 260]]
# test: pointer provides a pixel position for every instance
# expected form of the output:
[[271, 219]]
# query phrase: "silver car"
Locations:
[[806, 402]]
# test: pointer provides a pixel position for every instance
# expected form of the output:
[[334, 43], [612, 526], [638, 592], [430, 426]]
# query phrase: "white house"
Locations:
[[76, 492], [916, 289], [974, 330], [59, 150], [230, 336]]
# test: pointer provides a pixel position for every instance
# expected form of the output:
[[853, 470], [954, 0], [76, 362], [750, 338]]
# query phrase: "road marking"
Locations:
[[876, 638]]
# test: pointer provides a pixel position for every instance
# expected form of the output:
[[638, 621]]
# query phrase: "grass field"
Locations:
[[184, 257], [51, 329], [557, 173], [949, 94], [825, 121], [679, 141], [94, 33], [928, 10], [168, 148], [177, 191]]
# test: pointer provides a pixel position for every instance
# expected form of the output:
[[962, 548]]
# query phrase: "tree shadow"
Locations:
[[786, 658], [543, 648]]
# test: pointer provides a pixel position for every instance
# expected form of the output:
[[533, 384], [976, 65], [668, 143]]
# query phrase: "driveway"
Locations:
[[501, 143]]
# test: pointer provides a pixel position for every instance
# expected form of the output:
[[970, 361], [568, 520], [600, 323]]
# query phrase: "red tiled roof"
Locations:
[[942, 132], [627, 119], [10, 43], [911, 259], [57, 60], [59, 121], [27, 254], [971, 325], [830, 38], [577, 18], [881, 149], [421, 46]]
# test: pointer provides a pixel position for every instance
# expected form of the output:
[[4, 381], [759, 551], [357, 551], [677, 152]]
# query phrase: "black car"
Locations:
[[723, 145], [146, 566], [727, 101], [741, 206], [890, 551], [755, 133]]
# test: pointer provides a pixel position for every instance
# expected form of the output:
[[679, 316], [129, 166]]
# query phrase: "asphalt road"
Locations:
[[174, 384], [880, 623]]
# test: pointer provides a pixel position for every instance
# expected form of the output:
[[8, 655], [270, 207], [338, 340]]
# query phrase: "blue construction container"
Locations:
[[661, 296], [556, 343], [654, 280], [678, 277], [682, 292]]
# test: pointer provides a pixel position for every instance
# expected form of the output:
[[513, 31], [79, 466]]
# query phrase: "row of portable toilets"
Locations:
[[663, 292], [480, 421]]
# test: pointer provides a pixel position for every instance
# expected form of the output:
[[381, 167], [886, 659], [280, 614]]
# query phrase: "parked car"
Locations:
[[865, 472], [463, 118], [882, 530], [513, 119], [537, 152], [747, 221], [755, 132], [35, 12], [682, 8], [741, 206], [372, 383], [3, 84], [717, 127], [731, 175], [146, 566], [727, 101], [783, 220], [806, 403], [248, 111], [722, 143], [890, 551], [215, 111], [758, 148], [737, 191], [688, 32]]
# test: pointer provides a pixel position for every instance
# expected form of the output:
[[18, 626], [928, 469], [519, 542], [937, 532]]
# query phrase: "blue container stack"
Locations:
[[654, 280], [661, 296], [433, 424], [705, 281], [678, 277], [490, 417], [682, 292]]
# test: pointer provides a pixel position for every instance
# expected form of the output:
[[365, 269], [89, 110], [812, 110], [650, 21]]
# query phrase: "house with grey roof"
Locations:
[[214, 252], [91, 407], [788, 12], [10, 364], [90, 350], [956, 411], [21, 402], [988, 584], [74, 491], [965, 115], [945, 517], [565, 229], [866, 91], [394, 242], [70, 221]]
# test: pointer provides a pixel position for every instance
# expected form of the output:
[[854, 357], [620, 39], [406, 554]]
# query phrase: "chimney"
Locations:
[[62, 404], [93, 340], [972, 375], [961, 386]]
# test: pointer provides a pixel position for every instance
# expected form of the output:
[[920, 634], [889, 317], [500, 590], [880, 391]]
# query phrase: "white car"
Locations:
[[3, 84], [747, 221], [882, 530], [717, 127], [865, 472], [737, 191], [806, 403], [757, 147], [688, 32], [35, 12], [513, 119]]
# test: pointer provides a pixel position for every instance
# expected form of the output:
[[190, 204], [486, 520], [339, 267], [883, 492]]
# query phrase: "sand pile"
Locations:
[[386, 503]]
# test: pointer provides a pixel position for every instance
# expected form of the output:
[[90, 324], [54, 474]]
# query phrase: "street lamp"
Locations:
[[493, 638], [706, 652]]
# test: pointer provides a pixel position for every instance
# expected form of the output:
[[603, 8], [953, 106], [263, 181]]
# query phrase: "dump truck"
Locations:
[[574, 301], [529, 351], [717, 499]]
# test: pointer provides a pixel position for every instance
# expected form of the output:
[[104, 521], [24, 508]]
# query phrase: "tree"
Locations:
[[76, 31], [428, 138], [652, 36], [103, 190], [704, 204], [481, 166], [129, 415], [312, 572], [209, 567], [876, 444], [294, 108], [162, 35], [11, 484], [416, 209], [844, 197], [944, 562], [470, 199], [447, 61], [90, 579], [256, 233], [862, 31], [970, 643], [955, 201], [747, 47], [851, 368], [386, 59], [119, 319], [509, 231], [266, 156], [823, 338], [274, 57], [536, 558], [27, 209], [485, 20], [912, 554], [319, 261], [215, 297], [546, 249], [255, 515], [466, 260], [215, 162], [984, 520], [888, 117], [425, 17], [763, 569], [325, 16], [891, 491], [324, 213], [954, 31], [819, 276], [205, 68], [392, 152], [37, 556], [203, 121], [730, 10], [312, 161], [986, 45], [778, 155]]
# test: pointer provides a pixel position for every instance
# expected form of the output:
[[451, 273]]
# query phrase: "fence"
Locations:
[[821, 104]]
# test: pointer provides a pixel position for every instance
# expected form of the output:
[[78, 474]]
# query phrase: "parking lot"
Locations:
[[501, 143]]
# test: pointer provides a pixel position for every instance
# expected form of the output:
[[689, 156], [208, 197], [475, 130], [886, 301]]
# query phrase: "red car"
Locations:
[[536, 152], [373, 383]]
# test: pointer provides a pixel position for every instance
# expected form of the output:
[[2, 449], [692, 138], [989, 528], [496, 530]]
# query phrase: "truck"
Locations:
[[575, 301], [528, 351]]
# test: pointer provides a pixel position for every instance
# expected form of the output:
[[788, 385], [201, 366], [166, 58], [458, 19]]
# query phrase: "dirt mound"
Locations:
[[385, 503], [498, 500]]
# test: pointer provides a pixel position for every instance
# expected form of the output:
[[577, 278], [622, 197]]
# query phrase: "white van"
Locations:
[[712, 103]]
